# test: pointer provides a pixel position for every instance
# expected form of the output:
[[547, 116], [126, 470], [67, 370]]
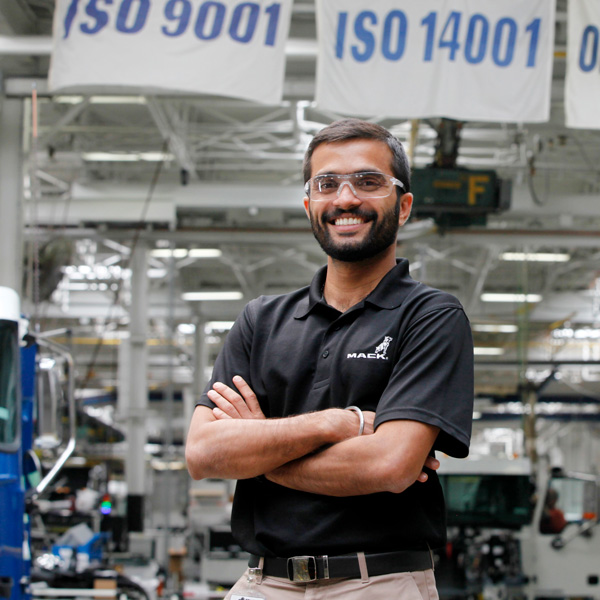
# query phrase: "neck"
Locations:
[[348, 283]]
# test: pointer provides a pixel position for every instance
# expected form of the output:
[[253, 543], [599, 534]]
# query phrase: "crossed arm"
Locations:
[[318, 452]]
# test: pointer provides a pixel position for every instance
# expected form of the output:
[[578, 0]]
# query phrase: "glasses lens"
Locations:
[[363, 185], [373, 185]]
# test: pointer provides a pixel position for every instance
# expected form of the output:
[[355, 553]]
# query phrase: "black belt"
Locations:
[[310, 568]]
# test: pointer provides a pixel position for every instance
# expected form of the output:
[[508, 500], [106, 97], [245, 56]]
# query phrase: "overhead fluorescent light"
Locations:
[[511, 297], [186, 328], [156, 156], [568, 333], [199, 296], [118, 100], [183, 252], [485, 351], [536, 256], [157, 273], [110, 157], [126, 156], [76, 287], [218, 326], [491, 328], [204, 253], [100, 99], [168, 253]]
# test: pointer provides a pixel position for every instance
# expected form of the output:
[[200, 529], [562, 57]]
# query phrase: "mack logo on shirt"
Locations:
[[380, 352]]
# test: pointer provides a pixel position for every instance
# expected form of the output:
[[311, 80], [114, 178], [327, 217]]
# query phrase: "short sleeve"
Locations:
[[432, 380], [234, 358]]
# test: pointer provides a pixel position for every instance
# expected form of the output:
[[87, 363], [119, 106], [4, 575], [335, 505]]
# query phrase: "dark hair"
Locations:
[[353, 129]]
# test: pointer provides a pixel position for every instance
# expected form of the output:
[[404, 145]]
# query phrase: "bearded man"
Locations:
[[327, 404]]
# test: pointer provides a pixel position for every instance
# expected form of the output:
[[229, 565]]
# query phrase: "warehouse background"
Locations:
[[131, 202]]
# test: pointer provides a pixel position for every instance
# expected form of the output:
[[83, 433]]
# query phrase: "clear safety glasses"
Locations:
[[365, 185]]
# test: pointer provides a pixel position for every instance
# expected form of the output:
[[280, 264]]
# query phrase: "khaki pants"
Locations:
[[415, 585]]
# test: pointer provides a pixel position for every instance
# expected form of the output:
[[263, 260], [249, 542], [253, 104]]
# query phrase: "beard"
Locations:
[[382, 235]]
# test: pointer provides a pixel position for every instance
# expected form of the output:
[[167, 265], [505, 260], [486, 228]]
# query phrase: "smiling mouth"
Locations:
[[349, 221]]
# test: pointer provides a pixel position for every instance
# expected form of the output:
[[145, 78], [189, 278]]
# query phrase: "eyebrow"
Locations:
[[358, 171]]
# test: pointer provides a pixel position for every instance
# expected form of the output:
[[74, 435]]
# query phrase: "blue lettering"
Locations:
[[386, 42], [502, 25], [475, 57], [181, 16], [238, 14], [534, 29], [70, 17], [364, 36], [139, 20], [341, 34], [273, 12], [587, 66], [217, 24], [100, 16]]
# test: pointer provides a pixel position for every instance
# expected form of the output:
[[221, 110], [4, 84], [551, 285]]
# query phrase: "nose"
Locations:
[[346, 196]]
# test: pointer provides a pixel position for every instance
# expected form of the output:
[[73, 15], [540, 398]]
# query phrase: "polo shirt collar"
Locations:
[[315, 294], [388, 294], [392, 289]]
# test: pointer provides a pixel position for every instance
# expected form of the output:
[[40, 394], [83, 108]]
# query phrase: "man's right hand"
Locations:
[[243, 404]]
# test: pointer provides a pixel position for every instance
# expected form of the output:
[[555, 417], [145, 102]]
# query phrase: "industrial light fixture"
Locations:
[[218, 326], [209, 327], [487, 351], [536, 256], [200, 296], [568, 333], [511, 297], [96, 271], [126, 156], [492, 328], [186, 328], [101, 99], [184, 252]]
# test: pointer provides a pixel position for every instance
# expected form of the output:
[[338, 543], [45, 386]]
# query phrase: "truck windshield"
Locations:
[[8, 382], [488, 500]]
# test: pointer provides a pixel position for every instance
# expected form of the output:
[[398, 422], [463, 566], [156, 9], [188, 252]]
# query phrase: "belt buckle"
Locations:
[[302, 569]]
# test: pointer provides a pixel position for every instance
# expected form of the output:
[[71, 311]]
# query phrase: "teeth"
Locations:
[[348, 221]]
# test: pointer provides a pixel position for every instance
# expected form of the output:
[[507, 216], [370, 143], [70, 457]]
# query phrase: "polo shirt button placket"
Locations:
[[325, 354]]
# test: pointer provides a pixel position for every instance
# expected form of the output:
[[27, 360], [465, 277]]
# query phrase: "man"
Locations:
[[553, 518], [328, 499]]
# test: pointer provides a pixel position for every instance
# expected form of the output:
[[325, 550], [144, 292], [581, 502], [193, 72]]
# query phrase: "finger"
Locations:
[[234, 399], [248, 395], [219, 414], [432, 463], [224, 404], [423, 477]]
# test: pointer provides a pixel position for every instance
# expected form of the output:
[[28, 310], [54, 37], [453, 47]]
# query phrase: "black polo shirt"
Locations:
[[406, 352]]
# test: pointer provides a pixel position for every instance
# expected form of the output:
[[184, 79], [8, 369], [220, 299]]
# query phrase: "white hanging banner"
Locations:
[[229, 47], [487, 60], [582, 84]]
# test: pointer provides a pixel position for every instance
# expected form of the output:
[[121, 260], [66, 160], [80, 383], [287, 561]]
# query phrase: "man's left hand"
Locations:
[[234, 405]]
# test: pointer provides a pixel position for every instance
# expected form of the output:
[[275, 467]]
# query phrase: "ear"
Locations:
[[306, 209], [406, 201]]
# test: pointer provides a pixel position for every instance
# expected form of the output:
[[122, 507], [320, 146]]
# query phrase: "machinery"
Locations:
[[498, 544], [37, 411], [15, 427], [21, 481]]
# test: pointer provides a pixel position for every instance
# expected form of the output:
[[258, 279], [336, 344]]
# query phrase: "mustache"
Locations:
[[330, 215]]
